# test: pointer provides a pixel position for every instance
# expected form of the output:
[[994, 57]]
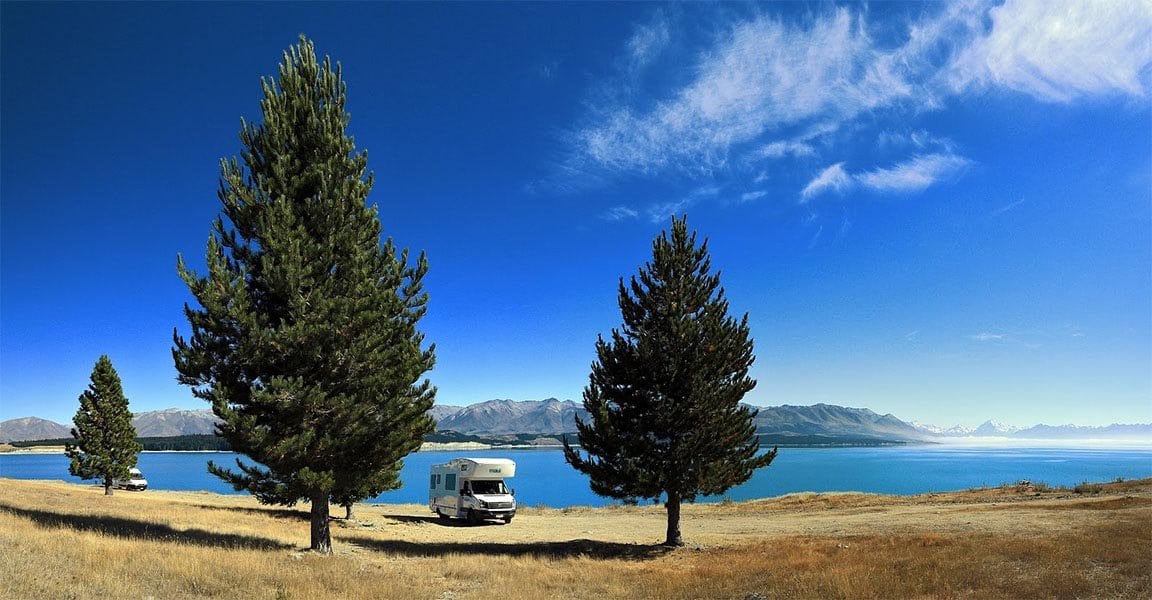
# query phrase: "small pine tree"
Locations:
[[664, 394], [106, 446], [306, 342]]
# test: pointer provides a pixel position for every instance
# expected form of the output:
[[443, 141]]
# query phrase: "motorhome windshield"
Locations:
[[489, 487]]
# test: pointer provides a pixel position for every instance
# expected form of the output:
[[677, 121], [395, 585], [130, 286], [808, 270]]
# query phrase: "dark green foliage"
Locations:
[[500, 439], [106, 445], [306, 342], [448, 436], [174, 443], [178, 443], [664, 394], [37, 443]]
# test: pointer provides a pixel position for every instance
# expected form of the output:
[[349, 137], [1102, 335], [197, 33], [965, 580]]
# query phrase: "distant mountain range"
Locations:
[[31, 428], [549, 416], [158, 423], [801, 425], [828, 423], [1115, 431], [175, 421]]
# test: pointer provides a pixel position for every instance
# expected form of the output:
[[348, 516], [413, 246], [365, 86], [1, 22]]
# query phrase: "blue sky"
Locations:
[[938, 210]]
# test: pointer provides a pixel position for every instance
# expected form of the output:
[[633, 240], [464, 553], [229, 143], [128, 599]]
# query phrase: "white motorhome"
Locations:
[[135, 481], [473, 489]]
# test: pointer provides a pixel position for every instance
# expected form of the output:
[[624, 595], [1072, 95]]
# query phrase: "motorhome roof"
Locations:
[[480, 468]]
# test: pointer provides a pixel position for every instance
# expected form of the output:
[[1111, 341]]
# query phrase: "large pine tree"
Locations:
[[664, 394], [305, 342], [106, 445]]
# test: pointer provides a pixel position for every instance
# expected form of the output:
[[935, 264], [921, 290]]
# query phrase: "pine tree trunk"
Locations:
[[321, 534], [107, 486], [348, 516], [673, 506]]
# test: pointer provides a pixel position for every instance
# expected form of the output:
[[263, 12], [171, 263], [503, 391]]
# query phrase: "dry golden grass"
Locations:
[[60, 540]]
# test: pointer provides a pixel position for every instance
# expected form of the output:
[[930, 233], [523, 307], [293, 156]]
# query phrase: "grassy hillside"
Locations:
[[68, 541]]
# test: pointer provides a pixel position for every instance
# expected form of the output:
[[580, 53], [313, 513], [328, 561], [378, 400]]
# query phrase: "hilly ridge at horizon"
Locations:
[[802, 424]]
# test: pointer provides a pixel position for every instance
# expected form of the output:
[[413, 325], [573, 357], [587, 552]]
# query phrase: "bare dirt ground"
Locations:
[[1000, 511]]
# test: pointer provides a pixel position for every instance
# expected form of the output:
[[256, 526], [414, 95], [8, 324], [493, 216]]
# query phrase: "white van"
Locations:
[[473, 489], [135, 481]]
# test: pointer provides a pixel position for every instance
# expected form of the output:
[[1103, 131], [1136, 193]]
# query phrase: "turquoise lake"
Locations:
[[543, 478]]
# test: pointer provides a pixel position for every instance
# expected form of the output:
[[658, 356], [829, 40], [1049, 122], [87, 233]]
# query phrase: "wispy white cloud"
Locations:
[[917, 140], [1003, 338], [780, 149], [666, 210], [1007, 207], [619, 213], [913, 175], [768, 88], [1061, 50], [802, 144], [548, 70], [815, 237], [833, 178], [648, 41], [751, 196], [760, 77], [845, 226]]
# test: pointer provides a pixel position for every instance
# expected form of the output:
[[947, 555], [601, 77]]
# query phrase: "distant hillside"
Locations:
[[494, 417], [819, 424], [158, 423], [509, 416], [173, 422], [518, 421], [443, 411], [777, 424], [31, 428]]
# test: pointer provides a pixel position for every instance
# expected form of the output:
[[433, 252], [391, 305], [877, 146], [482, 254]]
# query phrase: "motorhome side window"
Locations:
[[450, 481], [432, 482]]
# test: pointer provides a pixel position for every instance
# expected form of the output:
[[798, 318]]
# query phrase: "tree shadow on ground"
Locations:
[[277, 513], [142, 530], [431, 520], [565, 549]]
